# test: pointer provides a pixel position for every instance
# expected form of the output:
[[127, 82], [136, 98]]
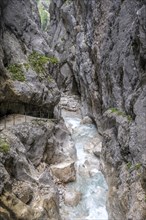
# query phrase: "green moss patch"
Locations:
[[26, 66], [129, 165], [138, 166], [120, 113], [38, 63], [4, 146], [133, 167], [16, 71]]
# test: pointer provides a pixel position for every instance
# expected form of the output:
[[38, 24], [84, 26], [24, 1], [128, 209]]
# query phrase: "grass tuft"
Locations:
[[4, 146], [16, 72]]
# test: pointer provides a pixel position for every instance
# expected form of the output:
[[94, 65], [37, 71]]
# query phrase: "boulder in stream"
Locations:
[[87, 120], [72, 198]]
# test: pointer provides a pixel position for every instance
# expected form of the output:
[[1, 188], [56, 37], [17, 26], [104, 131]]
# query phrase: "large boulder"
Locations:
[[65, 171]]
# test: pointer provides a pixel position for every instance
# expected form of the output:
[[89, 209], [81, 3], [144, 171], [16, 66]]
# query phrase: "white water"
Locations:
[[90, 181]]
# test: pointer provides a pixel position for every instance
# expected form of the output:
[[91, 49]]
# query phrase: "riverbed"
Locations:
[[90, 188]]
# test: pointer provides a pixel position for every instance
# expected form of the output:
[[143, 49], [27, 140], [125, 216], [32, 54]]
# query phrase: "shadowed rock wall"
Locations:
[[102, 46]]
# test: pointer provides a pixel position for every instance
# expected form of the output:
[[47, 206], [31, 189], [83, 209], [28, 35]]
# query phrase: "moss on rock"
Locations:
[[38, 63], [4, 145], [120, 113], [16, 71]]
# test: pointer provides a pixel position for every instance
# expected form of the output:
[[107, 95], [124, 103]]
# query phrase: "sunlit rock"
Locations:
[[65, 172]]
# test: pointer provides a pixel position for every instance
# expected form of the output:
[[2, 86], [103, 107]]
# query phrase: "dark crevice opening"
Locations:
[[7, 108]]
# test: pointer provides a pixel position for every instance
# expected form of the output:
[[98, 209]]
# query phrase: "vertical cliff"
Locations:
[[102, 48], [27, 190], [25, 56]]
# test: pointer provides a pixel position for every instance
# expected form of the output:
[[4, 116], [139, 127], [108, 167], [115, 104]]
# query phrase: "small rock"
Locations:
[[87, 120], [24, 192], [97, 150], [72, 198]]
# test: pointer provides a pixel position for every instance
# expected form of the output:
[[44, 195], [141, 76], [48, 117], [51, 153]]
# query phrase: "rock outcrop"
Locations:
[[102, 46], [25, 81], [27, 188]]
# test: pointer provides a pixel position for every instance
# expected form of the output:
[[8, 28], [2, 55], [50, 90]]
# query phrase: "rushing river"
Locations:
[[90, 182]]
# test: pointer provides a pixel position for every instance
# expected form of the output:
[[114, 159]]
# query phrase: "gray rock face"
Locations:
[[102, 49], [104, 44], [20, 83], [21, 180], [25, 155]]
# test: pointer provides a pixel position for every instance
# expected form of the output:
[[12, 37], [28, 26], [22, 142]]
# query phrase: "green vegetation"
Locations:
[[38, 61], [120, 113], [137, 166], [49, 78], [68, 1], [27, 66], [16, 71], [4, 146], [44, 14], [129, 118], [129, 165]]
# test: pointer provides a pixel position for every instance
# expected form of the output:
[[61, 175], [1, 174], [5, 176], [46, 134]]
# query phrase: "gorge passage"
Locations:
[[92, 50]]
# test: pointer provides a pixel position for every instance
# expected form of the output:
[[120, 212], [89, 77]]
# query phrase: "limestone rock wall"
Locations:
[[20, 82], [102, 46], [28, 187]]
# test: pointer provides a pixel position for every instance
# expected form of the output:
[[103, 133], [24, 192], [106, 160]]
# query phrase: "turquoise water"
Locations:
[[90, 181]]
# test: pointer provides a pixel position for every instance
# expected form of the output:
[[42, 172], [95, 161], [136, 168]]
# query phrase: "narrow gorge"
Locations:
[[72, 109]]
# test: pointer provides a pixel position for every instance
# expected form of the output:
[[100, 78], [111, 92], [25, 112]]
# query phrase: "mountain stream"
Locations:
[[89, 189]]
